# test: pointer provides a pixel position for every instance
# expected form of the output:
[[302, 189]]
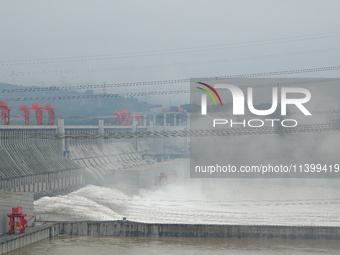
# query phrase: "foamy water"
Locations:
[[315, 202]]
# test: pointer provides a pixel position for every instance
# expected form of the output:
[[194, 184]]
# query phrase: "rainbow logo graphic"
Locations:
[[209, 93]]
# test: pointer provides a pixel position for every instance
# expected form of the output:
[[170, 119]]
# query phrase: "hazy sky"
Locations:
[[87, 37]]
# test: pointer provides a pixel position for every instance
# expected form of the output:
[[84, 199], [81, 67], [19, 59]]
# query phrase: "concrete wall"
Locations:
[[44, 184], [126, 228], [32, 235], [8, 201], [49, 166], [35, 165], [21, 154], [99, 161]]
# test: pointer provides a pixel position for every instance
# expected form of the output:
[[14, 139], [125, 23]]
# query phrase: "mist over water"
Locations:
[[207, 201]]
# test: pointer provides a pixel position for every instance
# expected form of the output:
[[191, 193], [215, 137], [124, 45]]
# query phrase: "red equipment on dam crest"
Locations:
[[17, 221]]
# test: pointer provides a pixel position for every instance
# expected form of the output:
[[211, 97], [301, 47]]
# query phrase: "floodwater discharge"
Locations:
[[245, 201], [308, 202]]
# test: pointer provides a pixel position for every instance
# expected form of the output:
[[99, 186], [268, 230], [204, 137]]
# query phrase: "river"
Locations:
[[188, 246]]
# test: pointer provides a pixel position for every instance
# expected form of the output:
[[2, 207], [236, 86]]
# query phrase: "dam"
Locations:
[[40, 160], [107, 181], [45, 161]]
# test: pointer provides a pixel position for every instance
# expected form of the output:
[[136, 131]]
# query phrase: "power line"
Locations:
[[183, 80], [304, 128], [108, 95], [193, 115], [171, 51], [150, 116], [169, 65], [152, 93]]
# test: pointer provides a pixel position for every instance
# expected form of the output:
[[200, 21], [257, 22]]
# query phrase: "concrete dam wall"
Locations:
[[127, 228], [44, 160], [32, 235], [53, 166], [102, 158], [35, 165]]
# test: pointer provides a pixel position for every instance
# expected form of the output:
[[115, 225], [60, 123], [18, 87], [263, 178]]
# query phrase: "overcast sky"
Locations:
[[87, 39]]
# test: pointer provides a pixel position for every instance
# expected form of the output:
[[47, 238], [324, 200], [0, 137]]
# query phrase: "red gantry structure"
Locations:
[[5, 112], [51, 113], [39, 113], [17, 221], [26, 114], [123, 118]]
